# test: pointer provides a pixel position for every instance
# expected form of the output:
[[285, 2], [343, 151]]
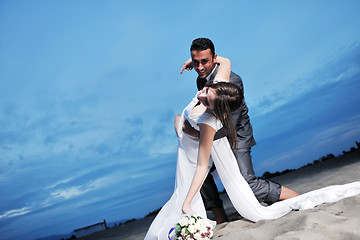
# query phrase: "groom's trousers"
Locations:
[[264, 190]]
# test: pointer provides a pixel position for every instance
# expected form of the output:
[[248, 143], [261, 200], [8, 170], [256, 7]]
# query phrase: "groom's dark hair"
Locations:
[[201, 44]]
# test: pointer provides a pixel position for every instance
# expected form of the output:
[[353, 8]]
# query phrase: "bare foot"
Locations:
[[219, 214]]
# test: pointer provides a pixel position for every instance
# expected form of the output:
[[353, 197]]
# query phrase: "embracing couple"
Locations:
[[214, 132]]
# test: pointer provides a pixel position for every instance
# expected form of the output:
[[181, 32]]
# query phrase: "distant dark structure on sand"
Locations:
[[81, 232]]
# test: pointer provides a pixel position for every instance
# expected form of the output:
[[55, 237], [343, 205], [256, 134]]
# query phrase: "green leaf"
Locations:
[[177, 228]]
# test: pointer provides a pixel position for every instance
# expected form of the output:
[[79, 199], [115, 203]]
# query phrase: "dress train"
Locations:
[[236, 187]]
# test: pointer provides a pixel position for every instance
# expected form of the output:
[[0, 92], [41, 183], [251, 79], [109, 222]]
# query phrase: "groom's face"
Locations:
[[203, 61]]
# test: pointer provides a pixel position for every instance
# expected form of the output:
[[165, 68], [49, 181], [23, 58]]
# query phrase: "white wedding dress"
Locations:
[[236, 187]]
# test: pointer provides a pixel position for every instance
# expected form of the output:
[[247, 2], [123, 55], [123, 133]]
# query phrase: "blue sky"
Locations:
[[89, 90]]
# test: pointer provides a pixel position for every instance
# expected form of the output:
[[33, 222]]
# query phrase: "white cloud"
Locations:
[[105, 181], [338, 133], [283, 157], [16, 212], [349, 130], [70, 192], [60, 182], [159, 148], [341, 66]]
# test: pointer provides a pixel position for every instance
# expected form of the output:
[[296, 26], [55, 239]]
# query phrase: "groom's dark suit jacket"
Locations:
[[240, 117]]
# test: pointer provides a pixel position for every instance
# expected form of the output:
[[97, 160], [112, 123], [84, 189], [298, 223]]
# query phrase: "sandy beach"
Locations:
[[339, 220]]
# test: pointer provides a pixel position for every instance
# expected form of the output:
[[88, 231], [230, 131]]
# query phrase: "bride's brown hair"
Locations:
[[229, 97]]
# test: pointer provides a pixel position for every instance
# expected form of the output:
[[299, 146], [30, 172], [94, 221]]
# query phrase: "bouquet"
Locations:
[[191, 227]]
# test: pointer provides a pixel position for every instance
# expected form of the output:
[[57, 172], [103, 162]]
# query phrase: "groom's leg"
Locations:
[[211, 199], [264, 190]]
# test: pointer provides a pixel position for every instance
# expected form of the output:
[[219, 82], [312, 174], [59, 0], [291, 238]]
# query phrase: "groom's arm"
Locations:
[[187, 128]]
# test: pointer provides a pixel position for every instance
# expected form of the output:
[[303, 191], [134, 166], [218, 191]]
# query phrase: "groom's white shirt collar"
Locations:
[[212, 72], [215, 80]]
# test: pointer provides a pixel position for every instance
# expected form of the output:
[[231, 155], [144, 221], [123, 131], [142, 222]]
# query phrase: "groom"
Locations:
[[203, 61]]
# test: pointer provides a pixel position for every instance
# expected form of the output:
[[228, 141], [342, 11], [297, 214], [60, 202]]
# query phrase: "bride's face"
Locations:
[[207, 97]]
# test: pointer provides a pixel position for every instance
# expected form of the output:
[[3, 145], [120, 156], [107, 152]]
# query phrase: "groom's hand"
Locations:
[[188, 129], [188, 65]]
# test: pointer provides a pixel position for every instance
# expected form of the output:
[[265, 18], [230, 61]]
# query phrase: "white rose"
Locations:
[[192, 228], [202, 222], [197, 236], [192, 221], [184, 221], [183, 231]]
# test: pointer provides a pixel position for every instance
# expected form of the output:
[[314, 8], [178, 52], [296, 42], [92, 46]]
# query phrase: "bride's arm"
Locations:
[[224, 69], [206, 139]]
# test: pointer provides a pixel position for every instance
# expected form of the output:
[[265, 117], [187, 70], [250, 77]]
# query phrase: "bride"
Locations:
[[207, 112]]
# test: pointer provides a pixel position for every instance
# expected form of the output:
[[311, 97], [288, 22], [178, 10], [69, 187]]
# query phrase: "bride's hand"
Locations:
[[186, 209], [176, 123], [188, 65]]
